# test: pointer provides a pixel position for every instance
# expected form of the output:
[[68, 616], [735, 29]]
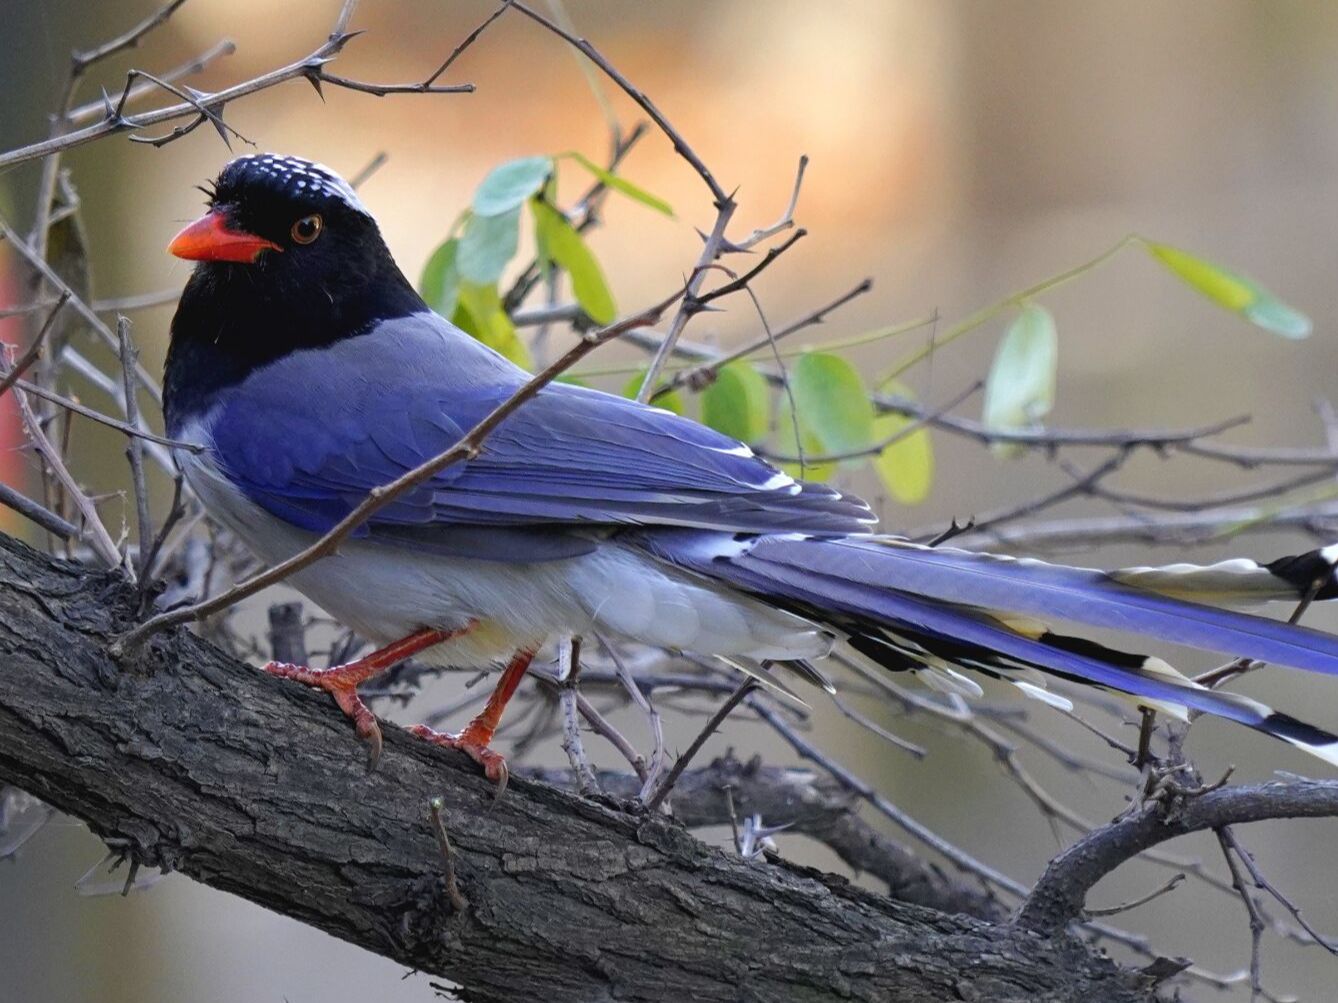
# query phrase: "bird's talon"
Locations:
[[473, 746]]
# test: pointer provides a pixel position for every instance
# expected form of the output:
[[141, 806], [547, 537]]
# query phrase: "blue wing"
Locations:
[[308, 436]]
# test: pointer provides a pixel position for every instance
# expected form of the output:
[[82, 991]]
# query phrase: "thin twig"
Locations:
[[466, 42], [103, 544], [38, 513], [143, 301], [700, 375], [681, 147], [662, 790], [786, 219], [135, 430], [310, 67], [83, 60], [97, 109], [710, 251], [1257, 925], [1142, 900], [569, 676], [35, 349], [135, 448], [77, 303], [851, 782], [1263, 884]]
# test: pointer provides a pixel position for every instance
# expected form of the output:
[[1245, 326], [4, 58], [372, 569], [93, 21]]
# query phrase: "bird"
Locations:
[[304, 371]]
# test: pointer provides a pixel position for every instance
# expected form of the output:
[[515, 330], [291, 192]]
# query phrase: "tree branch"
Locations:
[[184, 758], [1058, 896]]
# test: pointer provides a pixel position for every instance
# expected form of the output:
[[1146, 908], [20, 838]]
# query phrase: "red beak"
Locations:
[[209, 239]]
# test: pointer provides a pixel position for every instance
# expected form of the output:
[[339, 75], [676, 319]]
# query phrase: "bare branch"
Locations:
[[700, 375], [786, 218], [1058, 896], [568, 678], [31, 353], [135, 447], [135, 431], [38, 513], [717, 719], [103, 544], [97, 109], [681, 147], [83, 60], [310, 67]]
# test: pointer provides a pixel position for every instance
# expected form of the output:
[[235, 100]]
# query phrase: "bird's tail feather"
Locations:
[[908, 606]]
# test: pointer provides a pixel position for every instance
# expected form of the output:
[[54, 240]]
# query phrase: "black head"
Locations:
[[288, 258]]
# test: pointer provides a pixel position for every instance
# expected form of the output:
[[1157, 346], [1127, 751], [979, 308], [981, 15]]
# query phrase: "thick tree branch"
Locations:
[[809, 804], [186, 759], [1058, 896]]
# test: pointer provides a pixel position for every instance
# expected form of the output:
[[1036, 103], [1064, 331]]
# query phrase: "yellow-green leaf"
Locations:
[[567, 248], [1020, 389], [831, 401], [805, 444], [440, 279], [670, 400], [489, 242], [1240, 295], [906, 467], [479, 312], [738, 402], [622, 185], [508, 185]]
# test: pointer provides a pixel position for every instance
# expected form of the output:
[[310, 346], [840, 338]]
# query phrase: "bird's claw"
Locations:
[[476, 748], [343, 687]]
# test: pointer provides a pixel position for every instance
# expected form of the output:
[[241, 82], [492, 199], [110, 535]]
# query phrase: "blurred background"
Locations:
[[960, 151]]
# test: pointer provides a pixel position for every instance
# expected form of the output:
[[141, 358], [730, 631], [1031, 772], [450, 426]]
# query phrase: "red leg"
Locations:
[[342, 681], [473, 741]]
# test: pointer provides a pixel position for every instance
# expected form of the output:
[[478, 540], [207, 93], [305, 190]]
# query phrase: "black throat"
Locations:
[[234, 318]]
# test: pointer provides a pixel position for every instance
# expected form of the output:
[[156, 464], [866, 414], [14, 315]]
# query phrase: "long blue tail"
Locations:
[[907, 605]]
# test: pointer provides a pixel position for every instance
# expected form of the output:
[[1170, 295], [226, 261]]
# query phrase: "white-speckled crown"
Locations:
[[294, 174]]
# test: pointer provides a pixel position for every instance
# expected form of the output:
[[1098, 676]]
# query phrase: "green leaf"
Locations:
[[489, 242], [567, 248], [738, 402], [1020, 389], [832, 402], [789, 444], [508, 185], [670, 401], [1240, 295], [440, 279], [622, 185], [480, 313], [906, 467]]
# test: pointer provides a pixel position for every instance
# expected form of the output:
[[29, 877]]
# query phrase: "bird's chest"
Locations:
[[376, 594]]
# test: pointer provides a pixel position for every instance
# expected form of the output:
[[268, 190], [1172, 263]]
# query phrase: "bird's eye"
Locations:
[[308, 228]]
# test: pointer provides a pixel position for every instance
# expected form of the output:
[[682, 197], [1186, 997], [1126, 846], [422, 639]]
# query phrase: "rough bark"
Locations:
[[193, 761], [810, 805]]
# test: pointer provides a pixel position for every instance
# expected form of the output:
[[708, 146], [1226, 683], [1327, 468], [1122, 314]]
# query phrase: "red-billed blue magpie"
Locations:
[[310, 371]]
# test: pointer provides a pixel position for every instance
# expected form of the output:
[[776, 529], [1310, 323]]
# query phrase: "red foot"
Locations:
[[473, 742], [342, 681]]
